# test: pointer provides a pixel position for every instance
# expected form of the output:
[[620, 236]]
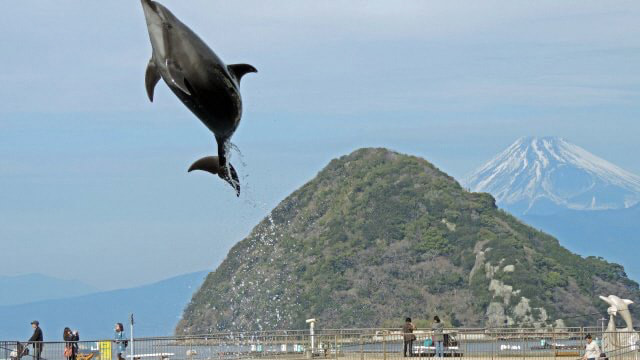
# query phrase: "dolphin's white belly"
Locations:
[[156, 28]]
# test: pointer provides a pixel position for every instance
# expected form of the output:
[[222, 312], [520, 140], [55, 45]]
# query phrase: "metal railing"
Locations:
[[348, 344]]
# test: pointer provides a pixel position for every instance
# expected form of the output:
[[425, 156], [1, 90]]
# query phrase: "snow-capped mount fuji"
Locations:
[[548, 174]]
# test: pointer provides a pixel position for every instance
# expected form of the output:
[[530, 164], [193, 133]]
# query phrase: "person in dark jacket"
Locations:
[[36, 339], [409, 337], [71, 343], [438, 336]]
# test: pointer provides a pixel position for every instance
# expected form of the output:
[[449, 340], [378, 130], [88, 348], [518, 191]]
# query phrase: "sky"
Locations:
[[93, 180]]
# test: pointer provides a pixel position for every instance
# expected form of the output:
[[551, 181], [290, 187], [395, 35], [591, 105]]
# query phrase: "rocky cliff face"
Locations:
[[377, 236]]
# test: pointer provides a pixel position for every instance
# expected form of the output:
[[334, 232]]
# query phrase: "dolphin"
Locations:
[[197, 76], [621, 306]]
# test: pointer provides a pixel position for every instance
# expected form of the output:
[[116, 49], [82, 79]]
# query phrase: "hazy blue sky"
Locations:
[[93, 181]]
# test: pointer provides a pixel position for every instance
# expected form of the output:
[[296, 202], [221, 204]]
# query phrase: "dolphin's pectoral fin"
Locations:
[[239, 70], [188, 86], [177, 77], [211, 164], [151, 78]]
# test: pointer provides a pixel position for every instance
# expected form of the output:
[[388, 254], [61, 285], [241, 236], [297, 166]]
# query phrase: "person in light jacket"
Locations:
[[438, 336], [592, 351], [121, 341]]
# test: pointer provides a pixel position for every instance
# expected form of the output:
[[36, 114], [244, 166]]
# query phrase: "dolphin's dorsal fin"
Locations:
[[239, 70], [151, 78], [177, 77]]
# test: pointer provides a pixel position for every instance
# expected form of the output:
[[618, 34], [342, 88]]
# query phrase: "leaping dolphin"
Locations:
[[197, 76]]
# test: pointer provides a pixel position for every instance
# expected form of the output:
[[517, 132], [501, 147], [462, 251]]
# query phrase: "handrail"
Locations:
[[515, 332]]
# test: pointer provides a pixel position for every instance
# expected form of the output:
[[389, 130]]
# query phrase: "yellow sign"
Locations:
[[105, 350]]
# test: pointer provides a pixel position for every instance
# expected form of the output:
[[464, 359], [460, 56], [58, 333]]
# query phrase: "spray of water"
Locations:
[[257, 275], [248, 195]]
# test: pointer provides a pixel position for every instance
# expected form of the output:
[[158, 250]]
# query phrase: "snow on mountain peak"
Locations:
[[543, 174]]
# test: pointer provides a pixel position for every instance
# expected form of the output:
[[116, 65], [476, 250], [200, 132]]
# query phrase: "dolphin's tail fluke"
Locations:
[[211, 164]]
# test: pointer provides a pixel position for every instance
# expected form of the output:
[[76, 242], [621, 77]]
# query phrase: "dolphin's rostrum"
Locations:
[[197, 76]]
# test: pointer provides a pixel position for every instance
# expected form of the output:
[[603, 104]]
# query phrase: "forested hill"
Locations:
[[377, 236]]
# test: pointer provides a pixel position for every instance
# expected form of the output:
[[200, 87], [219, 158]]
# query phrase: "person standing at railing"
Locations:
[[409, 337], [71, 339], [121, 341], [592, 351], [36, 339], [438, 336]]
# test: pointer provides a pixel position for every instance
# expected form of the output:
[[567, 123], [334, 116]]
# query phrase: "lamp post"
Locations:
[[131, 348], [311, 323]]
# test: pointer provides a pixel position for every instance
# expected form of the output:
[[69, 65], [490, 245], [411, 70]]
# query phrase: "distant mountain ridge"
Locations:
[[157, 308], [377, 236], [548, 174], [21, 289]]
